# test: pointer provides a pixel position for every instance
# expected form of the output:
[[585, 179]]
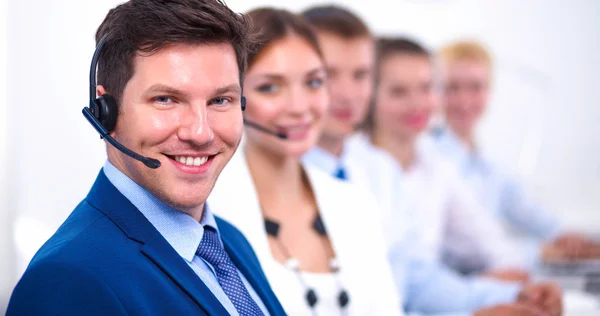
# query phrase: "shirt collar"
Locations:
[[323, 160], [180, 230], [459, 152]]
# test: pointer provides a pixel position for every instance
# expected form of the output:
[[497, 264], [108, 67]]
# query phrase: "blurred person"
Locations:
[[467, 73], [428, 287], [322, 250], [144, 241], [453, 225]]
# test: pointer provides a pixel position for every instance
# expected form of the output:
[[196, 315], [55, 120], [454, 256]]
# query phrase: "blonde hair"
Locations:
[[465, 50]]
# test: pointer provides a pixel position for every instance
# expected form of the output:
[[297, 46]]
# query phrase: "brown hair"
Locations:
[[387, 46], [465, 50], [270, 25], [146, 26], [337, 20]]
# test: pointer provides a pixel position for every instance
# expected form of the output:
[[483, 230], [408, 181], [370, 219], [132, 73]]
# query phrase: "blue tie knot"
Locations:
[[210, 248], [340, 173]]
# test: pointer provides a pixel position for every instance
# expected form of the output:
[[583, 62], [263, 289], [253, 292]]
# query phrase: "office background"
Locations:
[[541, 126]]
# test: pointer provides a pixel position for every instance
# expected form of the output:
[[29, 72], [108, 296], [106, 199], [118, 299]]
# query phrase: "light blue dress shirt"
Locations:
[[180, 230], [502, 196], [427, 287]]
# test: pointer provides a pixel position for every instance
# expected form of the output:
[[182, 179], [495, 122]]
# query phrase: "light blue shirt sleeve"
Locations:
[[430, 288], [504, 197], [524, 214]]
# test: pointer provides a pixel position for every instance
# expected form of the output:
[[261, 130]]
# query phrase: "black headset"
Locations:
[[104, 108], [103, 111]]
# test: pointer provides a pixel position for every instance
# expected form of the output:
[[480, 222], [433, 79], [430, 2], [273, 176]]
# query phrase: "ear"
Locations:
[[100, 90]]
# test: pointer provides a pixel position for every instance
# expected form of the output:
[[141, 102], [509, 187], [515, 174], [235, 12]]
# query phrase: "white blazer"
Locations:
[[352, 220]]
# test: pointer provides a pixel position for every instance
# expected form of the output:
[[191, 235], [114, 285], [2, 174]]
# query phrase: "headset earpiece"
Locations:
[[105, 110], [243, 101]]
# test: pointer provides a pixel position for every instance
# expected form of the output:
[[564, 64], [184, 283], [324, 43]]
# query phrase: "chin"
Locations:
[[462, 126], [298, 151], [339, 131], [183, 203], [184, 197]]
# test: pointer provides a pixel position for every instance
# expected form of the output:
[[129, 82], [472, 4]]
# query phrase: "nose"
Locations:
[[417, 100], [195, 125], [343, 89], [298, 100], [462, 99]]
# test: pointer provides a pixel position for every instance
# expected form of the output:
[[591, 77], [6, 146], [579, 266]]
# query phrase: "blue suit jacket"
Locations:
[[108, 259]]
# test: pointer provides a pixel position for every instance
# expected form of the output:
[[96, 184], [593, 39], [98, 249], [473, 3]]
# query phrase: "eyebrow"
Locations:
[[316, 71], [281, 77], [161, 88], [232, 88]]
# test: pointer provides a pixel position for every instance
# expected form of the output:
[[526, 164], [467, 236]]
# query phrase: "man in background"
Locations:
[[467, 70]]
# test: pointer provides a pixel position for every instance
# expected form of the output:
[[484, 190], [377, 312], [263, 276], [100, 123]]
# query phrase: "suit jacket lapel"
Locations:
[[108, 200], [182, 274]]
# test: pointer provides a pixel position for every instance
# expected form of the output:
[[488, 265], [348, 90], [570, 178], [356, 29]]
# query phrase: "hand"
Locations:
[[510, 274], [544, 296], [551, 252], [577, 246], [571, 246], [510, 310]]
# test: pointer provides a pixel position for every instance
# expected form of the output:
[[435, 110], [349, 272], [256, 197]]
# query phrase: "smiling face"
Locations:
[[182, 107], [285, 89], [466, 94], [405, 98]]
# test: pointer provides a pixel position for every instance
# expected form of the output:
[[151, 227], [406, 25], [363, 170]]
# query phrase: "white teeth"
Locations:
[[197, 161], [191, 161]]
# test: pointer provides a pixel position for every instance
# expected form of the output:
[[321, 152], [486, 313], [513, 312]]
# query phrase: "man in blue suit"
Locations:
[[144, 241]]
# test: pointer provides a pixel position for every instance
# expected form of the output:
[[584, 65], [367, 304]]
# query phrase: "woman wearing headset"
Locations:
[[318, 239]]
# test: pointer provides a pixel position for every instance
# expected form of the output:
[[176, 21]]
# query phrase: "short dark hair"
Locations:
[[337, 20], [270, 25], [398, 45], [147, 26]]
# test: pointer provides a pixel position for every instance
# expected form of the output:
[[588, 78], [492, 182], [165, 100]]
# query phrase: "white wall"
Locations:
[[545, 103], [7, 274]]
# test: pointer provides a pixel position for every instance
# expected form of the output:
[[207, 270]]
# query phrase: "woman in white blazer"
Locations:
[[318, 239]]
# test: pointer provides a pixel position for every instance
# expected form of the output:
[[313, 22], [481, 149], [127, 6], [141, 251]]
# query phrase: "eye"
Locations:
[[476, 86], [163, 99], [361, 75], [315, 83], [398, 92], [452, 88], [426, 88], [220, 101], [268, 88]]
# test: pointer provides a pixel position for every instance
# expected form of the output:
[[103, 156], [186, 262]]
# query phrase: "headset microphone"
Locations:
[[149, 162], [265, 130], [102, 113]]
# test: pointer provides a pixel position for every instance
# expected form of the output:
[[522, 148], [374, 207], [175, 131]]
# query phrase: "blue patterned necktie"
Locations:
[[212, 251], [340, 173]]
